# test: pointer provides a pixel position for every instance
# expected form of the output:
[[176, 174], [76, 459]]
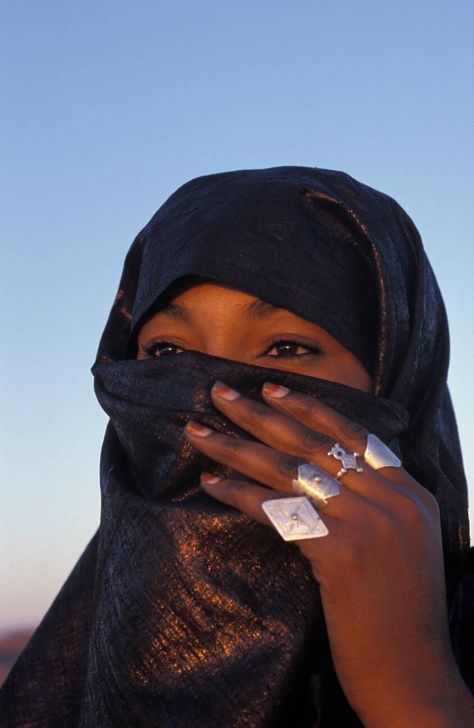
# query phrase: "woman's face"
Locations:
[[226, 322]]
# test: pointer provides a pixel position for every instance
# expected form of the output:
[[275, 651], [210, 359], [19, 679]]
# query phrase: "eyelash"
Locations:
[[312, 350]]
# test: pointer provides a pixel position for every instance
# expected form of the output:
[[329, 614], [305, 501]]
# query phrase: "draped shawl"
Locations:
[[182, 611]]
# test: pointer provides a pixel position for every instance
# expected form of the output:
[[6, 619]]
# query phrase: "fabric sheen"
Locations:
[[182, 611]]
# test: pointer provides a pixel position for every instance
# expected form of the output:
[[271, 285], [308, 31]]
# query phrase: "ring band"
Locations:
[[295, 518], [315, 484], [378, 455]]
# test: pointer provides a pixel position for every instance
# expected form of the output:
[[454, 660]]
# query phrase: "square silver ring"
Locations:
[[295, 518]]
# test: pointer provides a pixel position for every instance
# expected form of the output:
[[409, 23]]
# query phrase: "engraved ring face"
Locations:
[[316, 484], [295, 518]]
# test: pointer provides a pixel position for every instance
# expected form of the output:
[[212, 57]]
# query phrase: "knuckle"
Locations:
[[231, 489], [353, 430], [302, 406], [313, 442], [384, 526], [432, 505], [288, 466], [426, 498], [230, 446], [246, 500], [233, 494], [409, 509], [254, 411]]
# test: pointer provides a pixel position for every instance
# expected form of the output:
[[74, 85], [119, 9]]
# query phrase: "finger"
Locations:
[[375, 489], [274, 429], [316, 415], [259, 462], [249, 497], [245, 497], [283, 432], [390, 486], [320, 416]]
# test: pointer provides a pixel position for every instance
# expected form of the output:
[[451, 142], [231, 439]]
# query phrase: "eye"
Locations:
[[291, 350], [161, 348]]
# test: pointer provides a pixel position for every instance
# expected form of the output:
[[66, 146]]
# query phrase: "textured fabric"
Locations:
[[182, 611]]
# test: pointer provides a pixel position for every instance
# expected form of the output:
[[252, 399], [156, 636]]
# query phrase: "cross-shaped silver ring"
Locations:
[[348, 460]]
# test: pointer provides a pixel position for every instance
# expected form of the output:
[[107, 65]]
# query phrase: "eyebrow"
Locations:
[[254, 310], [259, 309]]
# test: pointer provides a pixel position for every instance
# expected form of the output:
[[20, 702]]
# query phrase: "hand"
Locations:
[[380, 568]]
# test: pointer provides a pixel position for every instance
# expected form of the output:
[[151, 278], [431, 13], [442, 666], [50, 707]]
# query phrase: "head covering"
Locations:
[[182, 611], [272, 236]]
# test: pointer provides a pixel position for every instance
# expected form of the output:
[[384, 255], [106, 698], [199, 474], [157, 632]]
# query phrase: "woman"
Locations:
[[268, 320]]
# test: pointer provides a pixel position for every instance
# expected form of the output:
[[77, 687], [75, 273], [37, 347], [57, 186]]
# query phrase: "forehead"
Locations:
[[201, 295]]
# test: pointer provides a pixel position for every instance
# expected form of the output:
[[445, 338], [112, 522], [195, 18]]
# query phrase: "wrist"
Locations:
[[447, 703]]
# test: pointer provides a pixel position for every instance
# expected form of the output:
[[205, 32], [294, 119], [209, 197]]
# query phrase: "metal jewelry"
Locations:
[[348, 460], [316, 484], [295, 518], [378, 455]]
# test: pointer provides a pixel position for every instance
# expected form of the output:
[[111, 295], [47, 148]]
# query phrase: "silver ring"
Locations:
[[378, 455], [295, 518], [348, 460], [315, 484]]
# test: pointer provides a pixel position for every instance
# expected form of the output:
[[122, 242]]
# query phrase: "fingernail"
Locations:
[[275, 390], [209, 478], [222, 390], [194, 428]]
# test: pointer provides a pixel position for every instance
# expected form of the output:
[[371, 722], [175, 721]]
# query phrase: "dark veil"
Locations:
[[181, 611]]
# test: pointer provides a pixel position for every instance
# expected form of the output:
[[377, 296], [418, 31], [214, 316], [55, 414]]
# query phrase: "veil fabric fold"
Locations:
[[182, 611]]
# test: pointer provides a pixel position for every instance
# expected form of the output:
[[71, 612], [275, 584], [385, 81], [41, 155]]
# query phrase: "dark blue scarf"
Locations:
[[182, 612]]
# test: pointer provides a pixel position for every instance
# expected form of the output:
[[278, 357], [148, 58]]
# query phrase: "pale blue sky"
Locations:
[[107, 107]]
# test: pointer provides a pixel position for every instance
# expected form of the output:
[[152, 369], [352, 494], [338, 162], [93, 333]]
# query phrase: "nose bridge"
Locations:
[[220, 336]]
